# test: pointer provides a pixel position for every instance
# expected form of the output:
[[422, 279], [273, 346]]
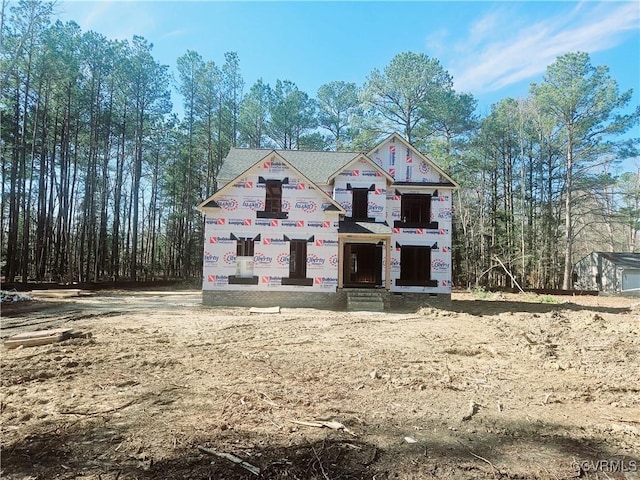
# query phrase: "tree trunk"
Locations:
[[568, 249]]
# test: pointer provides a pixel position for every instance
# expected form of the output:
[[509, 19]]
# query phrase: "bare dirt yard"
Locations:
[[496, 386]]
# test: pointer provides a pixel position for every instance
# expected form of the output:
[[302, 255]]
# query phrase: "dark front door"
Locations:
[[362, 265]]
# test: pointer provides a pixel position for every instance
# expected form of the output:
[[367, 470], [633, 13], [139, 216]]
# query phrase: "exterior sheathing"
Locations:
[[312, 216], [236, 218], [362, 174], [407, 165]]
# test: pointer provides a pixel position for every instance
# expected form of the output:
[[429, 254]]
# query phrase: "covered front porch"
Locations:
[[364, 254]]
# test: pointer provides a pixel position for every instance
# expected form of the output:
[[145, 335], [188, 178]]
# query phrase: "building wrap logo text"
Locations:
[[274, 166], [220, 240], [375, 208], [293, 223], [282, 259], [254, 204], [261, 222], [326, 243], [445, 213], [439, 265], [210, 260], [318, 224], [260, 259], [307, 206], [273, 241], [314, 261], [218, 279], [325, 282], [228, 203], [245, 222]]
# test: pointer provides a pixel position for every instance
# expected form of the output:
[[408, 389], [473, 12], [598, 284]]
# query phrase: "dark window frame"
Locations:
[[298, 259], [360, 204], [273, 196], [415, 212], [272, 200], [415, 267], [245, 247], [298, 264]]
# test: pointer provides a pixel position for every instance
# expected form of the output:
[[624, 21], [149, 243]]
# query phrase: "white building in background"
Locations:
[[609, 272]]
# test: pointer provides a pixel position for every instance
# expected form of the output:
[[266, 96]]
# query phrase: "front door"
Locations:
[[362, 265]]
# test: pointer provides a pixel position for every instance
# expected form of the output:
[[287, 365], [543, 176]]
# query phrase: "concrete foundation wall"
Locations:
[[235, 298], [320, 300], [414, 301]]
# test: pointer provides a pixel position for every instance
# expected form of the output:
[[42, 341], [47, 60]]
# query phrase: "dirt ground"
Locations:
[[497, 386]]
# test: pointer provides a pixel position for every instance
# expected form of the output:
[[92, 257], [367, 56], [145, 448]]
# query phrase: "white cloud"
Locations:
[[436, 42], [501, 49], [115, 19]]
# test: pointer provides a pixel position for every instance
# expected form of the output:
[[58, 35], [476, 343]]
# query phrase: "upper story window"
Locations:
[[360, 203], [415, 211], [272, 199]]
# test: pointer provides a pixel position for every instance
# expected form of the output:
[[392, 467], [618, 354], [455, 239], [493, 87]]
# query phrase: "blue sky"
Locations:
[[492, 49]]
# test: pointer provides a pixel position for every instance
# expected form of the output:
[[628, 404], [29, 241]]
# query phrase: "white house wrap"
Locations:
[[322, 222]]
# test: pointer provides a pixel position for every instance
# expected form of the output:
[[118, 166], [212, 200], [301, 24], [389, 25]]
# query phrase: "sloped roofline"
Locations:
[[423, 157], [230, 184], [357, 158], [623, 259]]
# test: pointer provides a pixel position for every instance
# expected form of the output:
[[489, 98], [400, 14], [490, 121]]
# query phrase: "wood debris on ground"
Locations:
[[264, 310], [232, 458], [328, 424], [43, 337]]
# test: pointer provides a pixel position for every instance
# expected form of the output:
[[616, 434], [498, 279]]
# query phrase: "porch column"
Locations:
[[387, 264], [340, 261]]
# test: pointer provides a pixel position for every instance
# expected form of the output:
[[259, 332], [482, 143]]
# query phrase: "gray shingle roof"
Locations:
[[316, 166], [631, 260], [364, 227]]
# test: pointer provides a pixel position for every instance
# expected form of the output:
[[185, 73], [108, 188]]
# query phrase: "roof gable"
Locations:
[[316, 166], [361, 158], [268, 161], [421, 161]]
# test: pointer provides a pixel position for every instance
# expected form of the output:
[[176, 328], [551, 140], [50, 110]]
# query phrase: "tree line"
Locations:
[[100, 177]]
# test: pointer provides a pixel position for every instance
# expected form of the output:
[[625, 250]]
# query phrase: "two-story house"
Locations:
[[298, 228]]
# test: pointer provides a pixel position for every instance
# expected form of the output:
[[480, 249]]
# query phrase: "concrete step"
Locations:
[[364, 300], [364, 294], [365, 307]]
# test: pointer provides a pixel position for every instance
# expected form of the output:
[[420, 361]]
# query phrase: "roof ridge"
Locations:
[[355, 152]]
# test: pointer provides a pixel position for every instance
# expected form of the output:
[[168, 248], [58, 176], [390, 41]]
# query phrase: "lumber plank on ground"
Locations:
[[38, 337], [264, 310]]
